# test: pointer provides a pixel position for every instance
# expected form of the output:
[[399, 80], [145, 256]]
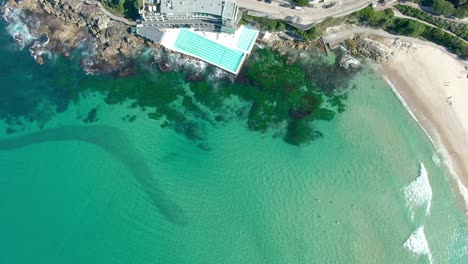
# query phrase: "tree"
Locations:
[[461, 12], [458, 2], [415, 28], [311, 33], [271, 24], [303, 2], [127, 8], [409, 27], [444, 7], [281, 26]]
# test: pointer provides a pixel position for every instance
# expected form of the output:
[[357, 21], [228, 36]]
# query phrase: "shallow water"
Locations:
[[85, 179]]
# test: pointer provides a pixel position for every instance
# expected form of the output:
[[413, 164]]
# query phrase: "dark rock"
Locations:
[[69, 22], [195, 77], [92, 116], [132, 119], [165, 66], [298, 113]]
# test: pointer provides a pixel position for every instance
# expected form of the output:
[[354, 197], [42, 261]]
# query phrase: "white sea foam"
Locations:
[[417, 243], [16, 28], [179, 62], [88, 47], [419, 192], [436, 159], [461, 187]]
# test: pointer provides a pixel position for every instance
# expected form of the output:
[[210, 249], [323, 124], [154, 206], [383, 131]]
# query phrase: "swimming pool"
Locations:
[[210, 51]]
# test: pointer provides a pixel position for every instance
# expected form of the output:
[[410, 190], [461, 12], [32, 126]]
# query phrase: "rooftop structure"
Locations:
[[204, 29], [206, 15]]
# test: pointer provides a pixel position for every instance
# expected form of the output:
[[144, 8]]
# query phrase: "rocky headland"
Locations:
[[62, 26]]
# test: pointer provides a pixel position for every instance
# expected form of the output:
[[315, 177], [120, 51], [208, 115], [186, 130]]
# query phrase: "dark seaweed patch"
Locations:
[[277, 93], [92, 116]]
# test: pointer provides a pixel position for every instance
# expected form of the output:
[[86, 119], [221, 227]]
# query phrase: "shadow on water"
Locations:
[[117, 144]]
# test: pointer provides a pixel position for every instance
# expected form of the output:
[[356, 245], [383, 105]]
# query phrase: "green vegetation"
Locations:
[[444, 7], [456, 8], [315, 31], [458, 29], [125, 8], [264, 23], [283, 95], [383, 18], [310, 34], [302, 2], [408, 27], [455, 44]]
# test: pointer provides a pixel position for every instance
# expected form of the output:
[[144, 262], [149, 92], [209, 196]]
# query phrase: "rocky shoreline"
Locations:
[[60, 26], [68, 24]]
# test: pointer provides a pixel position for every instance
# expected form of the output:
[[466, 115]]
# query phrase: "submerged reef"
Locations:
[[277, 98], [69, 24]]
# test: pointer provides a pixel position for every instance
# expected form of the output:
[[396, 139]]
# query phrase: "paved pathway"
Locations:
[[112, 16]]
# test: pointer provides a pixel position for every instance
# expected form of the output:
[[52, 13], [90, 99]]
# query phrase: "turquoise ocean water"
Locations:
[[110, 190]]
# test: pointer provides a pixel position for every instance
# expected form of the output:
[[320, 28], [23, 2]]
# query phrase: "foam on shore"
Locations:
[[461, 188], [436, 159], [417, 243]]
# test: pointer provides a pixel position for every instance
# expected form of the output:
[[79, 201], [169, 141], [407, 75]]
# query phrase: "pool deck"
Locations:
[[225, 51]]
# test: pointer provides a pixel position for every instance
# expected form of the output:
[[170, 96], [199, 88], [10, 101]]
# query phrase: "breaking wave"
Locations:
[[16, 28], [87, 50], [39, 48], [419, 192], [178, 63], [417, 243]]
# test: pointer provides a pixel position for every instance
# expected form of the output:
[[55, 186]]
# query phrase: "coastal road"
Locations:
[[307, 15]]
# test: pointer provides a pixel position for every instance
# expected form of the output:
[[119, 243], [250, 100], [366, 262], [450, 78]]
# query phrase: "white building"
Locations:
[[206, 15]]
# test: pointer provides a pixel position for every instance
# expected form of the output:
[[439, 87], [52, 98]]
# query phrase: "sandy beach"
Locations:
[[433, 85]]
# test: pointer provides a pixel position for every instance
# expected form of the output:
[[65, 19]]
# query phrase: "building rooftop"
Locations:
[[149, 32], [214, 7], [229, 9]]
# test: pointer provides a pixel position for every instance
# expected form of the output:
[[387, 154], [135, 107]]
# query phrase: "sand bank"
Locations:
[[434, 87]]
